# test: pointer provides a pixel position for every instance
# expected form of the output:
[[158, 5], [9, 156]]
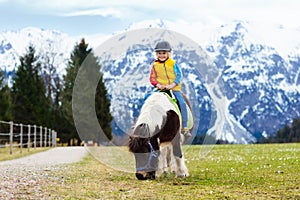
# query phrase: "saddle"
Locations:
[[173, 100]]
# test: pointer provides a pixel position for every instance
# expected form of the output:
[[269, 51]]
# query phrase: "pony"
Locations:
[[155, 139]]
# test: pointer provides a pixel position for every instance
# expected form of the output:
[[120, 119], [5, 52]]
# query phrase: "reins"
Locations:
[[152, 154]]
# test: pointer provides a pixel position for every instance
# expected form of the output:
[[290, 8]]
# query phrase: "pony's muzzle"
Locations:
[[142, 175]]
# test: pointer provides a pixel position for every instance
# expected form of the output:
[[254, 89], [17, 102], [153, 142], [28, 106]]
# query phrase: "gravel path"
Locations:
[[22, 178]]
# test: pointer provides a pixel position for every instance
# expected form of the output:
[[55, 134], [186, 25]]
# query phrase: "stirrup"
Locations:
[[186, 132]]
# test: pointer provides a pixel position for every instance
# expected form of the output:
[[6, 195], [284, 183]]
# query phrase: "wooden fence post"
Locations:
[[49, 136], [55, 136], [41, 136], [34, 135], [21, 138], [45, 142], [53, 139], [11, 137], [28, 145]]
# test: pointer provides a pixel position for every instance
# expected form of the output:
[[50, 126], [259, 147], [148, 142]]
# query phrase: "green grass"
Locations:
[[270, 171], [5, 152]]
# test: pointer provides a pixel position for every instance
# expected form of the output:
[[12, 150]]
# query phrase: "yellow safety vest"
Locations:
[[165, 73]]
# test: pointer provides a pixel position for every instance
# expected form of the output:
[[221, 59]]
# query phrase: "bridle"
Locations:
[[152, 155]]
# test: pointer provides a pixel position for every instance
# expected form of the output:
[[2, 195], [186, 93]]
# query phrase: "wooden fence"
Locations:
[[28, 136]]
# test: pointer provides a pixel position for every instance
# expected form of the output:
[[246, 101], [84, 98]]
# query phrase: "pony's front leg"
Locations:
[[169, 162], [172, 161], [162, 161], [181, 169]]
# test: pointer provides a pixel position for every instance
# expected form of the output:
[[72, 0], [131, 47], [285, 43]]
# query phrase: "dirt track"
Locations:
[[22, 178]]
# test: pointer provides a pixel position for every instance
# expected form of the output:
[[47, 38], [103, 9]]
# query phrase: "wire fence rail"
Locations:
[[25, 136]]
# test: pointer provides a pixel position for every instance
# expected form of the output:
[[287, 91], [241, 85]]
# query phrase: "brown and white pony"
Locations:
[[156, 139]]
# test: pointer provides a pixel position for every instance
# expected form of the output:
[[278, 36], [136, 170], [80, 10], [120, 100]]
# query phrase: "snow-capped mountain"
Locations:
[[242, 78], [253, 89], [261, 83], [49, 43]]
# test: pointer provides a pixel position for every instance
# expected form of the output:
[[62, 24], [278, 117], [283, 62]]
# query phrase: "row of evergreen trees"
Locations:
[[40, 96], [289, 133]]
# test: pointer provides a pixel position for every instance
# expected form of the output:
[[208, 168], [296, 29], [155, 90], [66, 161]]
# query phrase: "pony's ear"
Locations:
[[130, 133], [142, 131]]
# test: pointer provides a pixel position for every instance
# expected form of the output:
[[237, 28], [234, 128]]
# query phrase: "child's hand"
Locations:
[[169, 87], [160, 86]]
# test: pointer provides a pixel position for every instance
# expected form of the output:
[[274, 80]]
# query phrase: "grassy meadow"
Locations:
[[256, 171]]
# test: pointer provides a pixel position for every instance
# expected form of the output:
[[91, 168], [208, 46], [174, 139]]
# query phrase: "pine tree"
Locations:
[[102, 108], [5, 100], [30, 105], [282, 134], [88, 100], [78, 55], [289, 133], [294, 135]]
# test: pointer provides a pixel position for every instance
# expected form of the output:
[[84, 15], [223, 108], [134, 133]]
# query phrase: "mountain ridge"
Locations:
[[260, 81]]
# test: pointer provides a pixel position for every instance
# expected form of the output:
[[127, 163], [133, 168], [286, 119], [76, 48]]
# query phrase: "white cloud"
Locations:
[[271, 11], [94, 12], [200, 11]]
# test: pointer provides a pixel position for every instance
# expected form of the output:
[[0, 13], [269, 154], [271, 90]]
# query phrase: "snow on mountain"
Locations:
[[52, 44], [242, 80], [260, 80]]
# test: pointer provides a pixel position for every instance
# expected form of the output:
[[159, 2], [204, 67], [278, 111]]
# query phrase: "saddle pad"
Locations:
[[190, 119]]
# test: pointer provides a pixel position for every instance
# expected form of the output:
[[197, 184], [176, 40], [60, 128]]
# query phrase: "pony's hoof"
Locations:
[[182, 176]]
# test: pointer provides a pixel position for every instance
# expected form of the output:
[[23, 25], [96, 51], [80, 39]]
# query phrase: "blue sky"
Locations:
[[77, 17]]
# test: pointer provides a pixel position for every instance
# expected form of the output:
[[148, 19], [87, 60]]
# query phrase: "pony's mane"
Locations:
[[160, 99]]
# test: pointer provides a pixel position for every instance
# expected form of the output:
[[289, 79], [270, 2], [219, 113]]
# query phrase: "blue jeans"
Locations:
[[183, 108]]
